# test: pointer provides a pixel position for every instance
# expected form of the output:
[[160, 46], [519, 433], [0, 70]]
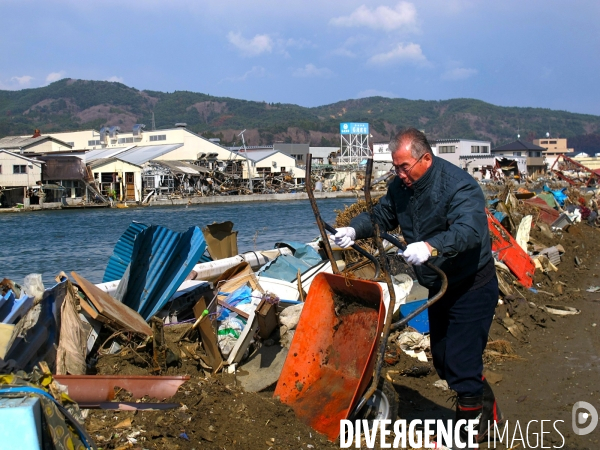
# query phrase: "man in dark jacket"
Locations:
[[441, 212]]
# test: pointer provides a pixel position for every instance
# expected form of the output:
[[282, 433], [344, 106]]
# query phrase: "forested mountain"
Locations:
[[69, 105]]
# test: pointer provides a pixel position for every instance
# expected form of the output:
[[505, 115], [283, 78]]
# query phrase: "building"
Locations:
[[34, 144], [191, 145], [296, 151], [553, 148], [322, 155], [270, 161], [468, 154], [591, 162], [18, 174], [533, 154], [381, 153], [17, 170]]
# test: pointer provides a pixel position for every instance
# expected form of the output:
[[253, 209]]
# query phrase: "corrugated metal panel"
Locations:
[[141, 155], [160, 262], [121, 256], [103, 153]]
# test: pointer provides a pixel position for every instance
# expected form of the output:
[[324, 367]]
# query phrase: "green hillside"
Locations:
[[68, 105]]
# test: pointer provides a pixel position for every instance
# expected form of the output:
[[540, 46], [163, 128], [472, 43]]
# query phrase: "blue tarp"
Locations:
[[285, 267], [240, 296], [559, 195], [493, 202], [499, 215], [161, 259]]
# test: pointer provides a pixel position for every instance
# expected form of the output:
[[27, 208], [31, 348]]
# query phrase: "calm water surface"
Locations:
[[47, 242]]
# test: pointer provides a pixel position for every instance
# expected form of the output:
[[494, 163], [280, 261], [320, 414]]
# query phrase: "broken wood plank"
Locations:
[[239, 312], [209, 338], [112, 309]]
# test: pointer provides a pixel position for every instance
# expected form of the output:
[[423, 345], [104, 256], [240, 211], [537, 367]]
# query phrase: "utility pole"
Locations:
[[247, 160]]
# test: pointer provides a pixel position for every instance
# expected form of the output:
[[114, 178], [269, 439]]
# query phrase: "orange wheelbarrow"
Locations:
[[331, 359]]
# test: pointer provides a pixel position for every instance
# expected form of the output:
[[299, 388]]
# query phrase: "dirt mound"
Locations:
[[213, 414]]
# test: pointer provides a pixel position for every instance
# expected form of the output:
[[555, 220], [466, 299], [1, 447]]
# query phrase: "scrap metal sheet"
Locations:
[[160, 262]]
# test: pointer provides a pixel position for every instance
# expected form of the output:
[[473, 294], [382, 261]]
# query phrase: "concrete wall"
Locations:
[[80, 139]]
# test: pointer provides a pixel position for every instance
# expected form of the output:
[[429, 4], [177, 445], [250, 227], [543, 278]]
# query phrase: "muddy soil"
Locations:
[[538, 373], [213, 414]]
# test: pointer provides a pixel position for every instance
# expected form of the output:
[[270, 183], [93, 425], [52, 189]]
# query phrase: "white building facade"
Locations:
[[17, 170], [468, 154]]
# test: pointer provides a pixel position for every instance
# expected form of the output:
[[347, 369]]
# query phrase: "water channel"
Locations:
[[82, 240]]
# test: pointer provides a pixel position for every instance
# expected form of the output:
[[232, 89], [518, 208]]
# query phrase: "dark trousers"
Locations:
[[459, 325]]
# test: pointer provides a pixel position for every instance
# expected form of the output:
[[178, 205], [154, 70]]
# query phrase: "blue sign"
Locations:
[[354, 128]]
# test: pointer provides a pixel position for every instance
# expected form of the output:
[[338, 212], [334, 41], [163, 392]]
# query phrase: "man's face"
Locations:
[[408, 168]]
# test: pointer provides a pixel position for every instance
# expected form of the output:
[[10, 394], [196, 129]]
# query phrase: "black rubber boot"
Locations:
[[469, 408], [491, 413]]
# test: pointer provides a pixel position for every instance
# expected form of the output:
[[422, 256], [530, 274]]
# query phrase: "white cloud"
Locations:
[[343, 52], [404, 15], [295, 43], [261, 43], [353, 46], [312, 71], [23, 81], [458, 73], [55, 76], [375, 93], [15, 83], [401, 53], [255, 72], [115, 79]]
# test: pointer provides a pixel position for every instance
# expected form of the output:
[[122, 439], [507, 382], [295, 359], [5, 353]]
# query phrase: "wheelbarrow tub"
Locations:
[[331, 359]]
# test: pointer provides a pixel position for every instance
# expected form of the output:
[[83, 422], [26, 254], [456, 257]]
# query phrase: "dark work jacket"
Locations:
[[446, 208]]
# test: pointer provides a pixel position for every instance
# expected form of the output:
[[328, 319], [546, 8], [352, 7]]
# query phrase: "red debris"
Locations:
[[510, 253]]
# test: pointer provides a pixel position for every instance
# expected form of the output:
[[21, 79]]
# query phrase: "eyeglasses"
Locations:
[[399, 169]]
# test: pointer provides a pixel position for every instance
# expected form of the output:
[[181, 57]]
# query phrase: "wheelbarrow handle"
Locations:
[[429, 302], [359, 249]]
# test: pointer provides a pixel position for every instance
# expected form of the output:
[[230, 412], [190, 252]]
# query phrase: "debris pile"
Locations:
[[184, 341]]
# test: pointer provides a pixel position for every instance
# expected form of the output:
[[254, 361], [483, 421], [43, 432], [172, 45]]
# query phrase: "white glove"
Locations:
[[344, 237], [417, 253]]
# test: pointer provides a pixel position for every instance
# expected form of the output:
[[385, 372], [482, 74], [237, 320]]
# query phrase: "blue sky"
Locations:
[[538, 53]]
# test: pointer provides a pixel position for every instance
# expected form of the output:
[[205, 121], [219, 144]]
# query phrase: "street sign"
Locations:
[[354, 128]]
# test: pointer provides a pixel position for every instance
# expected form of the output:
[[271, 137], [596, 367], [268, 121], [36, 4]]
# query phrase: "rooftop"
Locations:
[[18, 142], [517, 146]]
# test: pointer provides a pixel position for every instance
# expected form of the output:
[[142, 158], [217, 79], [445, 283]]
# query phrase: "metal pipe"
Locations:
[[320, 222], [390, 285], [429, 302]]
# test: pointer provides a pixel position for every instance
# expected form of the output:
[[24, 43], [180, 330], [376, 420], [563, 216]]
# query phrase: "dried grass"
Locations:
[[500, 346], [343, 220], [498, 350]]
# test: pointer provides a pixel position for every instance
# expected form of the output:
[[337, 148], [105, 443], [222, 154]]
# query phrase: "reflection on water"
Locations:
[[82, 240]]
